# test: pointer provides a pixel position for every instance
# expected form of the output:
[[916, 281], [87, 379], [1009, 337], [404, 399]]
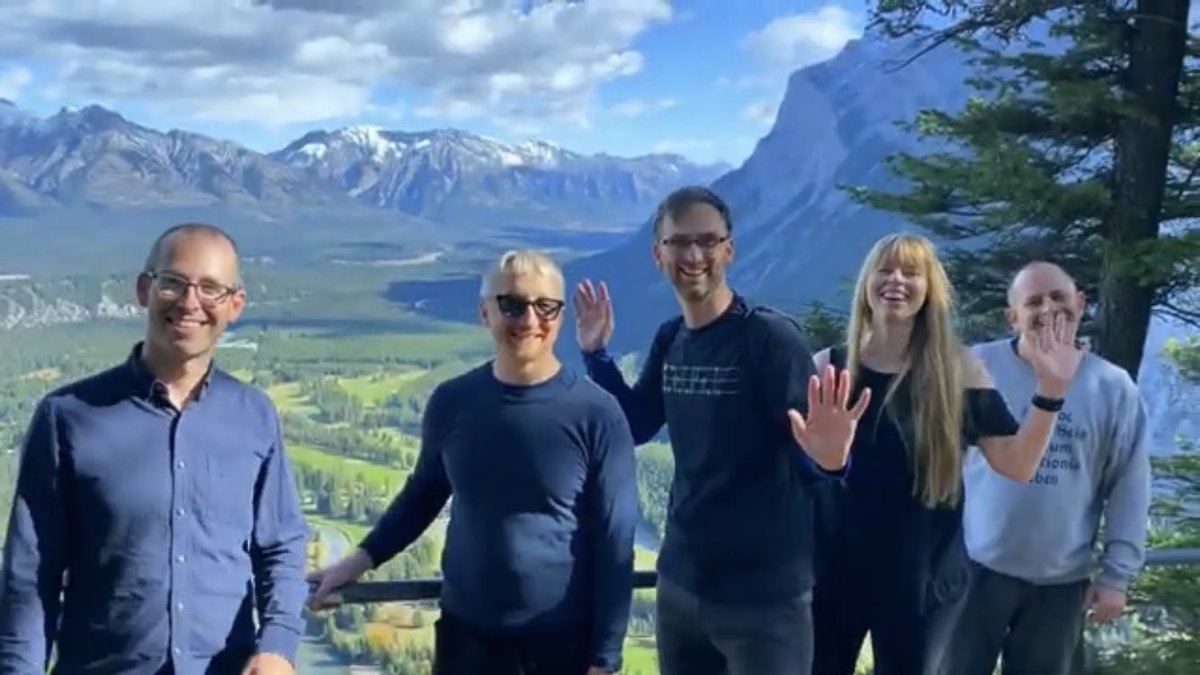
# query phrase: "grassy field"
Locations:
[[288, 398], [374, 474], [373, 389]]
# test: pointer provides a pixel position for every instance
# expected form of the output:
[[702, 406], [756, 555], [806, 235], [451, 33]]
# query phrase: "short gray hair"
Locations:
[[521, 261]]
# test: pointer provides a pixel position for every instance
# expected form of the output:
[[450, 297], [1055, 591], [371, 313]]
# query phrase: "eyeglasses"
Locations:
[[706, 242], [514, 307], [172, 287]]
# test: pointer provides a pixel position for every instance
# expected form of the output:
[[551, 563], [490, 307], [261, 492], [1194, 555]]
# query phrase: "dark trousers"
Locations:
[[696, 637], [1035, 628], [461, 650], [906, 639]]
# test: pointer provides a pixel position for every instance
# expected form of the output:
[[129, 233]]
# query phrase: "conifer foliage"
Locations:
[[1079, 145]]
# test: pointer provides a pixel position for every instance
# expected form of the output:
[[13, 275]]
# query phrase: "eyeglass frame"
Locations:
[[703, 242], [187, 284], [525, 304]]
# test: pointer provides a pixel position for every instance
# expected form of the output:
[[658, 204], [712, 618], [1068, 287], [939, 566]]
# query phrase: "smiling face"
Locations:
[[693, 250], [898, 284], [190, 295], [1039, 293], [523, 312]]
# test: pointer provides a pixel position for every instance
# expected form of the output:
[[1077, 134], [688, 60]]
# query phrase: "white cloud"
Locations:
[[13, 80], [296, 61], [797, 40], [785, 45], [762, 112], [636, 107]]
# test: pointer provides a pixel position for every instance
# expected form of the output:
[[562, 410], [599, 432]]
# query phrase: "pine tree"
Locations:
[[1074, 151], [1165, 636]]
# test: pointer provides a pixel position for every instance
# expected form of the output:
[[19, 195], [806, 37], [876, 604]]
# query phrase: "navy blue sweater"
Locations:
[[739, 525], [545, 505]]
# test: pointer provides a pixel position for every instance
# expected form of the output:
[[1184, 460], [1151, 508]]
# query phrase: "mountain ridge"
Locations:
[[96, 157]]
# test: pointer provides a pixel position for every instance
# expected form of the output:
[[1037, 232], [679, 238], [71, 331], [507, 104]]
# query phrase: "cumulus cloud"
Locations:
[[797, 40], [294, 61], [786, 44]]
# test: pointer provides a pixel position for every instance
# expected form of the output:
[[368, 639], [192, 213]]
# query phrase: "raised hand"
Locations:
[[829, 430], [1055, 358], [593, 316]]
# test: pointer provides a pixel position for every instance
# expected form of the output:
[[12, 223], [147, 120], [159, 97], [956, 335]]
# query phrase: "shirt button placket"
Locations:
[[180, 476]]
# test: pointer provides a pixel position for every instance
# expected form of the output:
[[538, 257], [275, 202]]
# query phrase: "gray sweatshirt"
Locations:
[[1096, 466]]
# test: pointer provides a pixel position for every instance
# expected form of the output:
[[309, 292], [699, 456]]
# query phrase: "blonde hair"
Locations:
[[933, 364], [520, 262]]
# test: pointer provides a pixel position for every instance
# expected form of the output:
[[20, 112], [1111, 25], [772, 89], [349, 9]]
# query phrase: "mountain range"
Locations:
[[95, 157], [798, 237]]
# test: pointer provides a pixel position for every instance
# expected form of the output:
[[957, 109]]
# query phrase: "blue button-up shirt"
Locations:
[[143, 538]]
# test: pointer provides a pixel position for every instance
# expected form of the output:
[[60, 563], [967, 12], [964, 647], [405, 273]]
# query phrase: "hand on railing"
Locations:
[[324, 583]]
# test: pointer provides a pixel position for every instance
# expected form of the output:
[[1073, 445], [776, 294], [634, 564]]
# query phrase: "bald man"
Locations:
[[156, 528], [1031, 544]]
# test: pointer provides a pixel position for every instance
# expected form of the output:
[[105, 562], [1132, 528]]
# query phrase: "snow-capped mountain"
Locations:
[[95, 156], [449, 174]]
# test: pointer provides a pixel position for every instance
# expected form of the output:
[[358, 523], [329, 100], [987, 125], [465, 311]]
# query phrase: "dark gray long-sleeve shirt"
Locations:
[[140, 536], [739, 528]]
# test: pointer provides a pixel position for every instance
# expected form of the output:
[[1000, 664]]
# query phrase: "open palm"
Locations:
[[828, 431], [1055, 358], [593, 316]]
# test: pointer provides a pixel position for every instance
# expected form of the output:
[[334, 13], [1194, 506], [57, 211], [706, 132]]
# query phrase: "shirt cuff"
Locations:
[[1113, 580], [279, 640], [600, 354], [836, 473], [609, 662]]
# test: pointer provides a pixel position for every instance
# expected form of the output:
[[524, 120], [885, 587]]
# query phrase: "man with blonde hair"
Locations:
[[538, 561]]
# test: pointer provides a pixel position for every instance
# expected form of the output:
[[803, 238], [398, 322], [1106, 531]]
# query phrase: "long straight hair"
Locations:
[[932, 364]]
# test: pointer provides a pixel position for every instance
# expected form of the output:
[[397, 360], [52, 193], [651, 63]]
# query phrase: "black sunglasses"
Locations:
[[514, 307]]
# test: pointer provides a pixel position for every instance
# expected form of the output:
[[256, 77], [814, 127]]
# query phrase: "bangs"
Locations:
[[904, 252]]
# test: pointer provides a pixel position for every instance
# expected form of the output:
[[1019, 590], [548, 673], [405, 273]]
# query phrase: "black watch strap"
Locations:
[[1047, 404]]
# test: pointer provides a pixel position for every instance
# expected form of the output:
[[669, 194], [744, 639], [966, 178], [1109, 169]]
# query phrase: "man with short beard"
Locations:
[[155, 509], [538, 566], [731, 380], [1031, 544]]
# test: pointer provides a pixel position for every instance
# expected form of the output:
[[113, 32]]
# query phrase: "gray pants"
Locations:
[[696, 637], [1035, 628]]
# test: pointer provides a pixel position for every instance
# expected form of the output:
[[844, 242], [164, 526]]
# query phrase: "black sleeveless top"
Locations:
[[875, 518]]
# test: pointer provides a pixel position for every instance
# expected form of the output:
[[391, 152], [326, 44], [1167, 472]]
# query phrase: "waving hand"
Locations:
[[827, 433]]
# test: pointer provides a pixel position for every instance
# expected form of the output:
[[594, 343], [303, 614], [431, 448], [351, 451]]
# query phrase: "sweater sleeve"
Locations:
[[1125, 489], [643, 402], [613, 496], [784, 364]]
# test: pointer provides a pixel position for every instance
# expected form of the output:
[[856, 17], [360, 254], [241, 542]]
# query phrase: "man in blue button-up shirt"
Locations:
[[155, 509]]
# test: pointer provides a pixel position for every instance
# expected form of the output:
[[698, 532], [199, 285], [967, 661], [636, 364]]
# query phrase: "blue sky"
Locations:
[[699, 77]]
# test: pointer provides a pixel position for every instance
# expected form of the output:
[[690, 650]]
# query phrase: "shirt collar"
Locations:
[[145, 384]]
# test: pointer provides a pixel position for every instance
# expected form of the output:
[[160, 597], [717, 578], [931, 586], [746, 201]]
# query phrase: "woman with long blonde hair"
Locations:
[[891, 556]]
